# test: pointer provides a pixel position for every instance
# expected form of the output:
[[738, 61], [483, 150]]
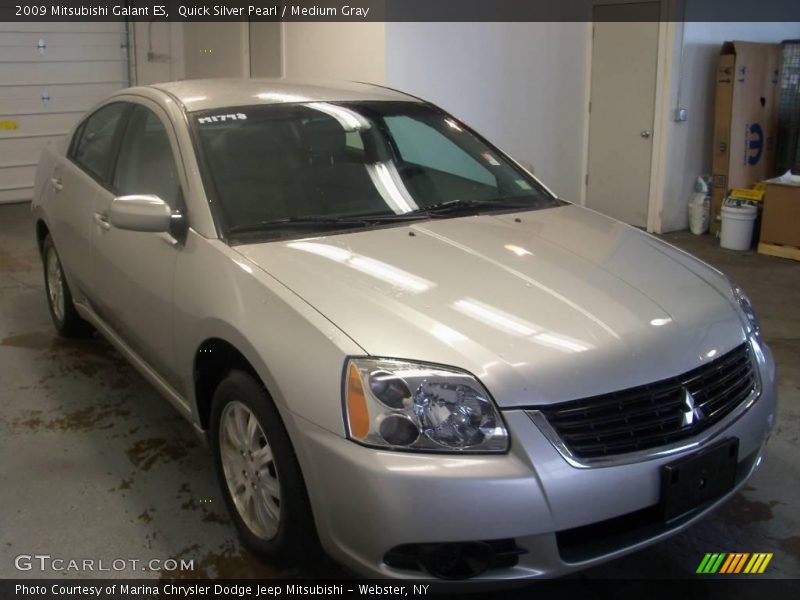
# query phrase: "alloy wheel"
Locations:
[[55, 285], [250, 471]]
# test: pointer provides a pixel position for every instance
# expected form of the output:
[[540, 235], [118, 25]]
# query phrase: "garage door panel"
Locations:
[[59, 54], [56, 104], [11, 177], [28, 98], [16, 195], [66, 72], [58, 123], [46, 87], [54, 47], [77, 27], [27, 150], [57, 41]]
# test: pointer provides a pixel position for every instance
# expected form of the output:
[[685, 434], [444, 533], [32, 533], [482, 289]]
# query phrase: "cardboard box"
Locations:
[[780, 223], [745, 118]]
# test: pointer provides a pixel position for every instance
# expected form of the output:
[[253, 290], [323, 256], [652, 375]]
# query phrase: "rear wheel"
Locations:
[[65, 318], [258, 471]]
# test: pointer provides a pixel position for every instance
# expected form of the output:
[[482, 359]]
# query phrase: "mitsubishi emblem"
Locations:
[[691, 413]]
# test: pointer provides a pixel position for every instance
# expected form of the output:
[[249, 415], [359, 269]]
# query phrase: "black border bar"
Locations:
[[698, 587], [388, 10]]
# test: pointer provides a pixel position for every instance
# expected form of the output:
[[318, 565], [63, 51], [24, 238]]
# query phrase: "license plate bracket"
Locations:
[[694, 480]]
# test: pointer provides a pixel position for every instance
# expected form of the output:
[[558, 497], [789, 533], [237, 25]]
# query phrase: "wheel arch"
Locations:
[[214, 358], [42, 231]]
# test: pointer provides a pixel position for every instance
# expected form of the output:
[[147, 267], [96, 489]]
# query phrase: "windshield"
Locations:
[[286, 169]]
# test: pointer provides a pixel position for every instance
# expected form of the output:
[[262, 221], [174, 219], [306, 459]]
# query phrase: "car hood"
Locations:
[[542, 306]]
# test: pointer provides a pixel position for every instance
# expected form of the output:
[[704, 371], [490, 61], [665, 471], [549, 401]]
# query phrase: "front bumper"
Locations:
[[368, 501]]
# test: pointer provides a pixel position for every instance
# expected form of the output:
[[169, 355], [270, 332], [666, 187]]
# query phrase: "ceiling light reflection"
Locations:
[[390, 186], [281, 97], [494, 317], [244, 266], [519, 327], [447, 335], [369, 266], [348, 119], [453, 124], [660, 322], [518, 250]]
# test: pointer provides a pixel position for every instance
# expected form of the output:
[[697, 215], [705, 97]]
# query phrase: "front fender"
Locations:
[[296, 351]]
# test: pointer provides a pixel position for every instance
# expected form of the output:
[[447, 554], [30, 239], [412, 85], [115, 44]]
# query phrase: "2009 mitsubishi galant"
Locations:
[[398, 340]]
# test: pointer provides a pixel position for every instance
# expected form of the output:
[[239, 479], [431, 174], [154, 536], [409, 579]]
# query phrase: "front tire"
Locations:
[[258, 471], [65, 318]]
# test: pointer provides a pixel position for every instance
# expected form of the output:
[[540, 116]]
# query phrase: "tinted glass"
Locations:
[[93, 149], [146, 164], [420, 144], [351, 160]]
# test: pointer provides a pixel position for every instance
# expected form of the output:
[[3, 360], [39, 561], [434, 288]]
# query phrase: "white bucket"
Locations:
[[737, 226], [699, 209]]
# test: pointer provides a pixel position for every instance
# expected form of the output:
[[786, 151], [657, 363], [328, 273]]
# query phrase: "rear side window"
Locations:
[[94, 144], [146, 164]]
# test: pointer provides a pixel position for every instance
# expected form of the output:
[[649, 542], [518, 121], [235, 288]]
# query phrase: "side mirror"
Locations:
[[140, 212]]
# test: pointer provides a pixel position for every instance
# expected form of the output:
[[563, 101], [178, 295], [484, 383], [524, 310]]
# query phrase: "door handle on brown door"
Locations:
[[56, 183], [102, 220]]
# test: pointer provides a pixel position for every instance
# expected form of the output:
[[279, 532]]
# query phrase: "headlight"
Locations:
[[747, 309], [402, 405]]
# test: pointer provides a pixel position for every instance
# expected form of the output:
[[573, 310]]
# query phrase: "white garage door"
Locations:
[[50, 74]]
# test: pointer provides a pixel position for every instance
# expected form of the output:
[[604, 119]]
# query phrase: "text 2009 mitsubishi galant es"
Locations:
[[398, 340]]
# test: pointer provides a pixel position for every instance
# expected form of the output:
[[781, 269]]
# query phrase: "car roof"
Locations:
[[209, 94]]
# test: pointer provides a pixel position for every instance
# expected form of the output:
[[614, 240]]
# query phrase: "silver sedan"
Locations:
[[400, 344]]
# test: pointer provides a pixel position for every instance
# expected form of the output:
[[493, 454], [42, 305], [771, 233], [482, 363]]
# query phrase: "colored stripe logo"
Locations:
[[734, 563]]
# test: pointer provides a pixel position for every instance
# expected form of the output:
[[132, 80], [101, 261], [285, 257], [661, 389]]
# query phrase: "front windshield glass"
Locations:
[[323, 165]]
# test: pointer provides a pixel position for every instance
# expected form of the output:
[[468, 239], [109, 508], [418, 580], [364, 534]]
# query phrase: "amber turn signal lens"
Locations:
[[357, 414]]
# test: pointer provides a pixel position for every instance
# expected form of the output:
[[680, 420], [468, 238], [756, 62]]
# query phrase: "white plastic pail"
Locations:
[[737, 226]]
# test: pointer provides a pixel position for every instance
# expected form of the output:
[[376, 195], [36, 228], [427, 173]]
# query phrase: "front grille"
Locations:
[[656, 414]]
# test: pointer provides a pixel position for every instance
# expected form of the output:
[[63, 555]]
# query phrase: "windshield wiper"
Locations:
[[413, 215], [300, 222], [451, 206], [372, 219], [323, 222]]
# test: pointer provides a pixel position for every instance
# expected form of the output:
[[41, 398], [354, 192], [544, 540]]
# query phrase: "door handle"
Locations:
[[56, 183], [101, 219], [645, 134]]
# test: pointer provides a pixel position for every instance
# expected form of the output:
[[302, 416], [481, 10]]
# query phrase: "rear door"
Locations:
[[133, 272], [73, 185]]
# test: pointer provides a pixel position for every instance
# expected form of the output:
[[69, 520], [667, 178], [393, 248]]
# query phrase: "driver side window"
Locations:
[[146, 164]]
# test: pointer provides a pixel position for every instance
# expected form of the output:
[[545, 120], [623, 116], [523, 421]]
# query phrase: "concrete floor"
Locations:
[[94, 464]]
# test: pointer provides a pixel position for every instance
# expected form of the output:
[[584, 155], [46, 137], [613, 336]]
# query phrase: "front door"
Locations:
[[133, 272], [622, 109], [75, 182]]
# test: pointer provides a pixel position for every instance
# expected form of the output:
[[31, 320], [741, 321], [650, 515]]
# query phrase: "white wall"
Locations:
[[522, 85], [336, 51], [689, 142], [266, 48], [216, 49], [343, 51], [165, 41]]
